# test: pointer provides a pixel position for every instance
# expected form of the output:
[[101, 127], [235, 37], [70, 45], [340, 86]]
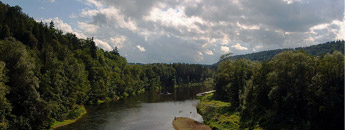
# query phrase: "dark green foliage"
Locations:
[[5, 31], [186, 73], [5, 106], [23, 87], [293, 90]]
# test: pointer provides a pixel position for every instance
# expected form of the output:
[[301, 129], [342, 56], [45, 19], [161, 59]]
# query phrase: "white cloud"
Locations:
[[90, 28], [184, 28], [103, 44], [291, 1], [210, 41], [59, 24], [248, 27], [239, 47], [141, 48], [225, 40], [118, 41], [89, 12], [209, 52], [257, 47], [341, 31], [95, 3], [320, 31], [174, 17], [51, 1], [224, 49]]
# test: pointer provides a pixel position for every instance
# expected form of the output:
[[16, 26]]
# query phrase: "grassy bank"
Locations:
[[218, 114], [183, 123], [76, 114]]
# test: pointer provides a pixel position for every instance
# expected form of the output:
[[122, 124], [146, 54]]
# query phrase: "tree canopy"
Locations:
[[293, 90]]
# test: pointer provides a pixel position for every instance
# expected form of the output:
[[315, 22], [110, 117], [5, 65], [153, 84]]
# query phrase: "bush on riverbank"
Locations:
[[215, 113]]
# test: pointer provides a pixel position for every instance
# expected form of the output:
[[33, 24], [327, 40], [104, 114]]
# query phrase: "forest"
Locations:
[[47, 76], [293, 90]]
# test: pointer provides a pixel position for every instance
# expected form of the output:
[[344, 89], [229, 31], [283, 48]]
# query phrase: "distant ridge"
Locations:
[[314, 50]]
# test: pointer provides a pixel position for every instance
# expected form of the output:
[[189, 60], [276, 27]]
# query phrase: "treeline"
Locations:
[[293, 90], [314, 50], [46, 75], [168, 76]]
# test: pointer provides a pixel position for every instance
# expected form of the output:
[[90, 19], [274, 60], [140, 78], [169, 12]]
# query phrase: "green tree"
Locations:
[[326, 104], [30, 110], [5, 31], [51, 25], [5, 105], [290, 78]]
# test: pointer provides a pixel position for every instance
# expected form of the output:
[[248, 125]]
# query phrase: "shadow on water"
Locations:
[[149, 110]]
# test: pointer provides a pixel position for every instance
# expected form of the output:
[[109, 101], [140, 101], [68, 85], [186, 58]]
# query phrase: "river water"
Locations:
[[146, 111]]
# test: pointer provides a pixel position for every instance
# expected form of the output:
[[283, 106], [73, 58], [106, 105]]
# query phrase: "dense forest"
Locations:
[[314, 50], [47, 76], [293, 90]]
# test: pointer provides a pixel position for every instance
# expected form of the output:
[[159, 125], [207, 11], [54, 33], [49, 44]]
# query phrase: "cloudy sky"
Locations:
[[192, 31]]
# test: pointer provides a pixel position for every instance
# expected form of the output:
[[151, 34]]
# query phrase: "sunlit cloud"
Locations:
[[224, 49], [208, 52], [141, 48], [238, 46]]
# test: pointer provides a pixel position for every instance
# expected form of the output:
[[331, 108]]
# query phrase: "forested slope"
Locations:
[[46, 75], [314, 50]]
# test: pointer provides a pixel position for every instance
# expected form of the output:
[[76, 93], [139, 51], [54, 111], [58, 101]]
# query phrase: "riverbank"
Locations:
[[218, 114], [81, 110], [204, 93], [183, 123]]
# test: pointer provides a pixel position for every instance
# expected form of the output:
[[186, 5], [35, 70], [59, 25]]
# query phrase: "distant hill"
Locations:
[[315, 50]]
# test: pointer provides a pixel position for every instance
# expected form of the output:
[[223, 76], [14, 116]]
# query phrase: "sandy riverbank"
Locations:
[[183, 123]]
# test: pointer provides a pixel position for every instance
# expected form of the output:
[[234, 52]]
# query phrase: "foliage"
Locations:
[[78, 112], [293, 90], [217, 114], [5, 106]]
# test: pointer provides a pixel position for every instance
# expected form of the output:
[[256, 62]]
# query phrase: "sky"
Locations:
[[192, 31]]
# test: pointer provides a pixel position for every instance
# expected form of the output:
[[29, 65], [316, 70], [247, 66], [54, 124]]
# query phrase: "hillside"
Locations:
[[314, 50]]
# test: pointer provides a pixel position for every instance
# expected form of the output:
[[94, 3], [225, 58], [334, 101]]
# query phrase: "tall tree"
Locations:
[[29, 109], [5, 105]]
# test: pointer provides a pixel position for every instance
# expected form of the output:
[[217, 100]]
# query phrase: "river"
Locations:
[[146, 111]]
